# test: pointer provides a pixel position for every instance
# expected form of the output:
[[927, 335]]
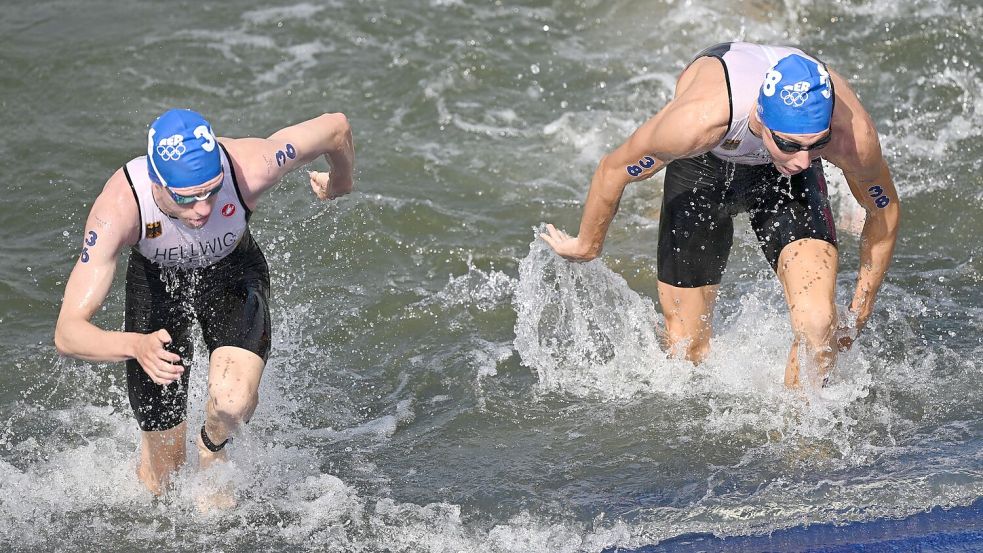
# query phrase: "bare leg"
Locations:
[[161, 455], [689, 314], [233, 393], [807, 271]]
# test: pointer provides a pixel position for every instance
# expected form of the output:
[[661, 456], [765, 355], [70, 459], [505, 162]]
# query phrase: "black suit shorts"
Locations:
[[704, 193], [228, 299]]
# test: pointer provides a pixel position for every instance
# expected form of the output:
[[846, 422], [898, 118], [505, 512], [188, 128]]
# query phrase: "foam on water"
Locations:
[[302, 11]]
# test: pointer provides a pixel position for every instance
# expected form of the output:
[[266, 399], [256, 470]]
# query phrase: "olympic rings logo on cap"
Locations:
[[171, 148], [795, 94]]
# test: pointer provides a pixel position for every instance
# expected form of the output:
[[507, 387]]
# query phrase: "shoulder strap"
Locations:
[[136, 198], [235, 182]]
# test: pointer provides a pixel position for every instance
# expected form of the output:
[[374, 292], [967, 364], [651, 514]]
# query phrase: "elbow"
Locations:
[[65, 343], [604, 167], [614, 174], [61, 342], [341, 129]]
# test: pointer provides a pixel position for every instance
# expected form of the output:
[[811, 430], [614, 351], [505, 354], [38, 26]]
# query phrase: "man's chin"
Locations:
[[786, 171], [195, 223]]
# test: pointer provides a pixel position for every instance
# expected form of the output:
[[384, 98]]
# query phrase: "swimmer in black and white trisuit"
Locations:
[[745, 132], [183, 210]]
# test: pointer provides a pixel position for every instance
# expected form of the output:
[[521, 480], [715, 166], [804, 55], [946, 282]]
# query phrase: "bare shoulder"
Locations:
[[249, 155], [697, 117], [115, 213], [855, 145], [704, 75], [255, 163], [243, 148], [701, 92]]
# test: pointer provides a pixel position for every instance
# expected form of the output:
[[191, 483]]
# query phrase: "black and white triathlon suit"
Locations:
[[704, 193], [215, 275]]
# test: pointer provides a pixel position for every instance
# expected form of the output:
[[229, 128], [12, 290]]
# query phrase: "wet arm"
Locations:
[[263, 162], [669, 135], [89, 284], [867, 173], [875, 191], [75, 335]]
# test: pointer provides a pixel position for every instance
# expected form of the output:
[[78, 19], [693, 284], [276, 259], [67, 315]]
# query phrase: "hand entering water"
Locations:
[[846, 329], [568, 247]]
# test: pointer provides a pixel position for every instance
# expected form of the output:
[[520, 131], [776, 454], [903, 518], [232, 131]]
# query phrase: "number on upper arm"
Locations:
[[90, 240], [880, 200], [644, 163], [282, 156]]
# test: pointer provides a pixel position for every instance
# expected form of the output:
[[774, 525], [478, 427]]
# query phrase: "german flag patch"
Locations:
[[154, 229]]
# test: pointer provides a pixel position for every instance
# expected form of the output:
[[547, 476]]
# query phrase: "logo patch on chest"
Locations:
[[154, 229], [228, 210], [731, 144]]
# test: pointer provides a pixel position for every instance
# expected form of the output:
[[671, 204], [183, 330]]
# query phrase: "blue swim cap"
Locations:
[[182, 150], [795, 97]]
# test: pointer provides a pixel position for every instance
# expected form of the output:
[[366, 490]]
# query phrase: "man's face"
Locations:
[[197, 211], [804, 148]]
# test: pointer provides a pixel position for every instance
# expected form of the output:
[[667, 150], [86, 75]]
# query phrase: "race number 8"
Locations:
[[771, 79], [645, 163]]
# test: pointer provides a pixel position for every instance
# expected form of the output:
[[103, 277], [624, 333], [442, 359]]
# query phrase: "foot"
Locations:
[[215, 497], [149, 480], [216, 493]]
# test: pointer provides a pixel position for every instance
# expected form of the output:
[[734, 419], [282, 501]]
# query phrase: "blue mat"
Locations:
[[955, 530]]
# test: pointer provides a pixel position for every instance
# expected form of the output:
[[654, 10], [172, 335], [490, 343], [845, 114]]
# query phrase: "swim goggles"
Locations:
[[186, 200], [790, 147]]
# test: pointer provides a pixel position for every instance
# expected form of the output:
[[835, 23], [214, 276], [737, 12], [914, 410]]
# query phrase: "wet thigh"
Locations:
[[688, 311], [807, 270], [237, 315]]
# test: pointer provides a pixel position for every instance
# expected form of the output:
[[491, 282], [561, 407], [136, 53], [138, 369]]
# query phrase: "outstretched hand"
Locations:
[[326, 189], [568, 247]]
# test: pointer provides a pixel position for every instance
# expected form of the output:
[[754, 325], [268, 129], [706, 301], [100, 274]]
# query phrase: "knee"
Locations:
[[816, 323], [697, 350], [693, 348], [234, 408]]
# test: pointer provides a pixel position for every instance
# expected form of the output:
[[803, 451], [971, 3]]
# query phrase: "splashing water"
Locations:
[[587, 334], [581, 327]]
